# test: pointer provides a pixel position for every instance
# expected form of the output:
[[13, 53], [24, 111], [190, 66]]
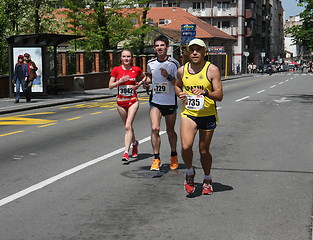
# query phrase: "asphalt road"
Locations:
[[61, 176]]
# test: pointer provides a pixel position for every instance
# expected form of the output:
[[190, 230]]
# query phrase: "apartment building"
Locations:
[[295, 51], [257, 25]]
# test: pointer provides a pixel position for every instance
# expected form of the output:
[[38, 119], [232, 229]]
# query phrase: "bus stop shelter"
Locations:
[[36, 45]]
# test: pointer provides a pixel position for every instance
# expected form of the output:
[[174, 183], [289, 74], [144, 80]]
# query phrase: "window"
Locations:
[[133, 21], [174, 4], [150, 21], [161, 21], [198, 5], [223, 6], [223, 24]]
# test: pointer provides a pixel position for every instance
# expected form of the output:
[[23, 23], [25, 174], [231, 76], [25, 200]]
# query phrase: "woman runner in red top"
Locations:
[[127, 78]]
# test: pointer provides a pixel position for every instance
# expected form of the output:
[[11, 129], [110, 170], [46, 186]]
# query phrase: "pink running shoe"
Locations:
[[207, 188], [125, 157], [190, 183], [135, 149]]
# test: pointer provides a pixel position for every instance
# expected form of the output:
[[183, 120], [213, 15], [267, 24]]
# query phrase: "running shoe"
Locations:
[[135, 149], [174, 163], [207, 188], [190, 183], [155, 165], [125, 157]]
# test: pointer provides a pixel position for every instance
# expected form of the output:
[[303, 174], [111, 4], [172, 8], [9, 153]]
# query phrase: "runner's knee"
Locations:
[[155, 129], [128, 127]]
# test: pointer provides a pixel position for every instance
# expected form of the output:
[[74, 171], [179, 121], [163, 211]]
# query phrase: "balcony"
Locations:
[[233, 31], [250, 14], [213, 12], [248, 32]]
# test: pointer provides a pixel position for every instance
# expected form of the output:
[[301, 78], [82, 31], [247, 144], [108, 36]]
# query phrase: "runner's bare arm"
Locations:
[[148, 80], [215, 78], [114, 82], [141, 79], [169, 77], [179, 85]]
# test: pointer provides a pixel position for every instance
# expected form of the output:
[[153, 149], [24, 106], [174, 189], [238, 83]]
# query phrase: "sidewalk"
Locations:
[[7, 105]]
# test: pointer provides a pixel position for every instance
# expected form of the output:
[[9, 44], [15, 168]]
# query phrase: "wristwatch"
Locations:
[[169, 78], [206, 93]]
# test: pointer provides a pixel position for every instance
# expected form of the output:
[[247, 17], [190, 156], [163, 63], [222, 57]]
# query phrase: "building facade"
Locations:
[[294, 51], [257, 25]]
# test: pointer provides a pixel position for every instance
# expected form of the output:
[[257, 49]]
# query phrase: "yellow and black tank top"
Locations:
[[198, 80]]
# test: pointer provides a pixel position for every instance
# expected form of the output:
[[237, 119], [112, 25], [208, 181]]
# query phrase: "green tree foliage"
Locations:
[[106, 23], [19, 17], [303, 34], [3, 45]]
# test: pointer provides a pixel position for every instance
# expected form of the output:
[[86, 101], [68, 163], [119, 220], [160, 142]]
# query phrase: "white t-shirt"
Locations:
[[163, 90]]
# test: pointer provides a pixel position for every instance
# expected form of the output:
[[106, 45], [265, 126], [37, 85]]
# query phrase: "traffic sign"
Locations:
[[188, 33], [246, 54]]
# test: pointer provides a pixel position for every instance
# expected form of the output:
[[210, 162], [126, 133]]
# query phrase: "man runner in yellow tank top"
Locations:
[[199, 86]]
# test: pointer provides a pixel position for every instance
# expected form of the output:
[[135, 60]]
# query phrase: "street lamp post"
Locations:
[[246, 54]]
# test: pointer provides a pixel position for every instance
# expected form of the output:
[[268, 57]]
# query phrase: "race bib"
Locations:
[[126, 90], [161, 88], [194, 102]]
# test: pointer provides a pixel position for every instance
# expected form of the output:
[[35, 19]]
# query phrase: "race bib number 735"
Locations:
[[194, 102]]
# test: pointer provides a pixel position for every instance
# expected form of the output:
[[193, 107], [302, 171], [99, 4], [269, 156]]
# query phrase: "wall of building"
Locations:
[[257, 24]]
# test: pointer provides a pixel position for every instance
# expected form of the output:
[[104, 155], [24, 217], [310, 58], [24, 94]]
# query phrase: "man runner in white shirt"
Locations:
[[161, 72]]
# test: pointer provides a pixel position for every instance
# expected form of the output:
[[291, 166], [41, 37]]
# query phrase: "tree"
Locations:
[[303, 34], [104, 23], [19, 17], [3, 45]]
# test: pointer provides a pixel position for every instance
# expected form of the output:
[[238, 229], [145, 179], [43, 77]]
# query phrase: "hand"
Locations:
[[197, 91], [135, 87], [146, 85], [123, 79], [164, 72], [182, 96]]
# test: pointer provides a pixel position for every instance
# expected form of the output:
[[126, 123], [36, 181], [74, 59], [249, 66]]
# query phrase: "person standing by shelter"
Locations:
[[199, 86], [32, 68], [126, 78], [20, 77]]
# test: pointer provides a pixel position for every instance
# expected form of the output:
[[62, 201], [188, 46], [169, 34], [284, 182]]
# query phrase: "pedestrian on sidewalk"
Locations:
[[127, 78], [161, 73], [32, 68], [20, 77], [199, 86]]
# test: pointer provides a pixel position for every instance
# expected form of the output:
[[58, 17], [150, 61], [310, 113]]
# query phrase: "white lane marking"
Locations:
[[238, 100], [218, 108], [261, 91], [273, 86], [281, 82], [64, 174], [286, 80]]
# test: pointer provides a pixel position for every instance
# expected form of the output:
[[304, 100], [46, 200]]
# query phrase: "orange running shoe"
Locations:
[[174, 163], [155, 165]]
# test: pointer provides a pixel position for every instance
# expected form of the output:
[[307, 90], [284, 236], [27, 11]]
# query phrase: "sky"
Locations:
[[291, 8]]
